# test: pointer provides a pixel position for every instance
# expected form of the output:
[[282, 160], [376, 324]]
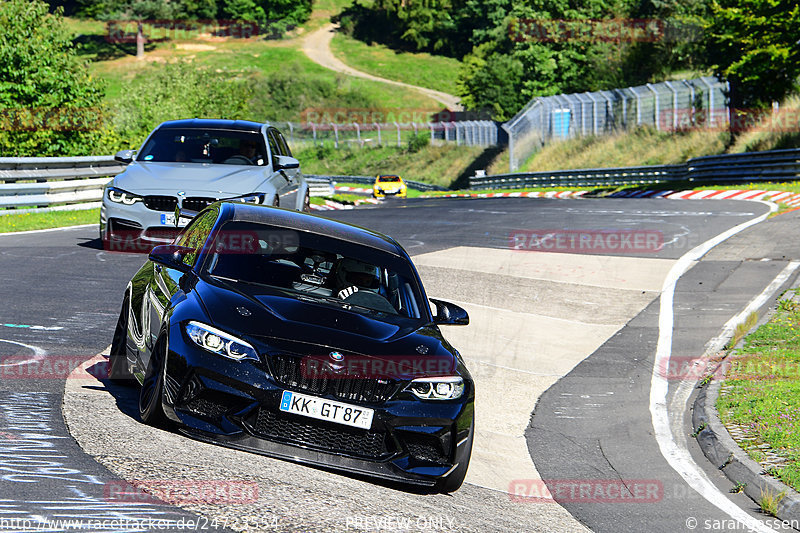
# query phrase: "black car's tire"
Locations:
[[456, 478], [150, 395], [118, 360]]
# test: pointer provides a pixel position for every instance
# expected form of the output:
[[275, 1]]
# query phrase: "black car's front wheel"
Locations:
[[150, 395]]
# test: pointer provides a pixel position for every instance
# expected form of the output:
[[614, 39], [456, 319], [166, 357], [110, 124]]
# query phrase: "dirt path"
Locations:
[[317, 46]]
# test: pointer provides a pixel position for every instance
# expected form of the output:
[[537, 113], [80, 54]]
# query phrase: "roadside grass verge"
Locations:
[[425, 70], [761, 393], [53, 219]]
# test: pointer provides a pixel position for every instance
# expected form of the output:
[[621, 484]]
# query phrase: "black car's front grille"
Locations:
[[197, 203], [160, 203], [351, 441], [289, 371], [429, 451], [206, 408]]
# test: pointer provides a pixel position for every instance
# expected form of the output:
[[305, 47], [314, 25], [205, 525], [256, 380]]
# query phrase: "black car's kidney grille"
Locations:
[[197, 203], [289, 371], [351, 441], [160, 203]]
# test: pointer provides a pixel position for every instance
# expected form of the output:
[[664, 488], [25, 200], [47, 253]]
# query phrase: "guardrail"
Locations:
[[55, 183], [58, 183], [369, 180], [64, 183], [773, 165]]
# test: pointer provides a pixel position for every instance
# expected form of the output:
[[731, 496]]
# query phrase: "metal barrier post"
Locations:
[[335, 135], [655, 108], [358, 134], [710, 114], [674, 105]]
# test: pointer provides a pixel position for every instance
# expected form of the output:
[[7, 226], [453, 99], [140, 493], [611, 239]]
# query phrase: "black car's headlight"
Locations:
[[439, 388], [120, 196], [219, 342], [255, 198]]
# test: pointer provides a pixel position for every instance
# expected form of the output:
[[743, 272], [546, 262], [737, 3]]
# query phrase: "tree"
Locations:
[[755, 44], [49, 102]]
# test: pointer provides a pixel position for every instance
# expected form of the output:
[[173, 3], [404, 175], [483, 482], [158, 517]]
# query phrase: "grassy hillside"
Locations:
[[256, 58], [425, 70], [646, 146], [440, 165]]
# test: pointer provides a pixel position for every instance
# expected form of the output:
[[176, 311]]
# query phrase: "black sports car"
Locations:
[[299, 337]]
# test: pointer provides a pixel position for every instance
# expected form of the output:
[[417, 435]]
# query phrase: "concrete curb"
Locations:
[[720, 448]]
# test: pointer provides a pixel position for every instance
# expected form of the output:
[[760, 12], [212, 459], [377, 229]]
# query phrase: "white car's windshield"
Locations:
[[188, 145]]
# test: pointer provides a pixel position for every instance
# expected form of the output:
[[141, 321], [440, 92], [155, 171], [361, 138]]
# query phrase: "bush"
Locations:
[[418, 142], [49, 104], [175, 91]]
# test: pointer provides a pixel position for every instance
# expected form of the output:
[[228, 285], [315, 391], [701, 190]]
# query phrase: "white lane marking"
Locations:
[[717, 343], [63, 228], [27, 326], [678, 457], [681, 397], [38, 353]]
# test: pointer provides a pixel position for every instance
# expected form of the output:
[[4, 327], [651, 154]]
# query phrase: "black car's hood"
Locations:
[[310, 327]]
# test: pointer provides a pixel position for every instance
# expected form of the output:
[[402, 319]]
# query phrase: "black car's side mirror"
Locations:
[[124, 156], [171, 256], [285, 162], [449, 314]]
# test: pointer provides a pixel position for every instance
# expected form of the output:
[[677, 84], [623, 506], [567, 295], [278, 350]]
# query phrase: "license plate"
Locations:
[[321, 409], [168, 219]]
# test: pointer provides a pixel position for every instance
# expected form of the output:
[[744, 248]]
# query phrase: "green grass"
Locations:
[[439, 165], [425, 70], [54, 219], [762, 390]]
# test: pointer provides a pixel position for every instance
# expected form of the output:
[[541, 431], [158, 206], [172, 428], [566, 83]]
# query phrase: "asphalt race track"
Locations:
[[562, 346]]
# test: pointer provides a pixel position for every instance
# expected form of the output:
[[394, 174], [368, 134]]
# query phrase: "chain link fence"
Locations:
[[667, 106], [462, 133]]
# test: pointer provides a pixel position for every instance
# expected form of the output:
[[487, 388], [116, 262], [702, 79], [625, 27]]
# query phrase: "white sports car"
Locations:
[[189, 164]]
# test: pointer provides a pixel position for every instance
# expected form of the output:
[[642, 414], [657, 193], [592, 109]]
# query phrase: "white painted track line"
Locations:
[[676, 455]]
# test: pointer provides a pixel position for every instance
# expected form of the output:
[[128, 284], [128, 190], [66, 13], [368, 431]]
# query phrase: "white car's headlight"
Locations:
[[439, 388], [122, 197], [255, 198], [219, 342]]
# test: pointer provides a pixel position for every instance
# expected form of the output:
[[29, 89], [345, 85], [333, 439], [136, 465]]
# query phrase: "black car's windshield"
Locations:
[[308, 265], [188, 145]]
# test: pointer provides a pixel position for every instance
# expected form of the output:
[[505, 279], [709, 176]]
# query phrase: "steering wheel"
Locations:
[[237, 159]]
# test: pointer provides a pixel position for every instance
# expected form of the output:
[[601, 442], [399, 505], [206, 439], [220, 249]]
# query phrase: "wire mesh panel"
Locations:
[[666, 106]]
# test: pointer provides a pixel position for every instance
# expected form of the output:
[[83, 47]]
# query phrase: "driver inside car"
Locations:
[[353, 275], [249, 150]]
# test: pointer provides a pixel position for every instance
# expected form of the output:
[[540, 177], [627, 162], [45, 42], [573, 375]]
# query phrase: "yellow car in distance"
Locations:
[[388, 185]]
